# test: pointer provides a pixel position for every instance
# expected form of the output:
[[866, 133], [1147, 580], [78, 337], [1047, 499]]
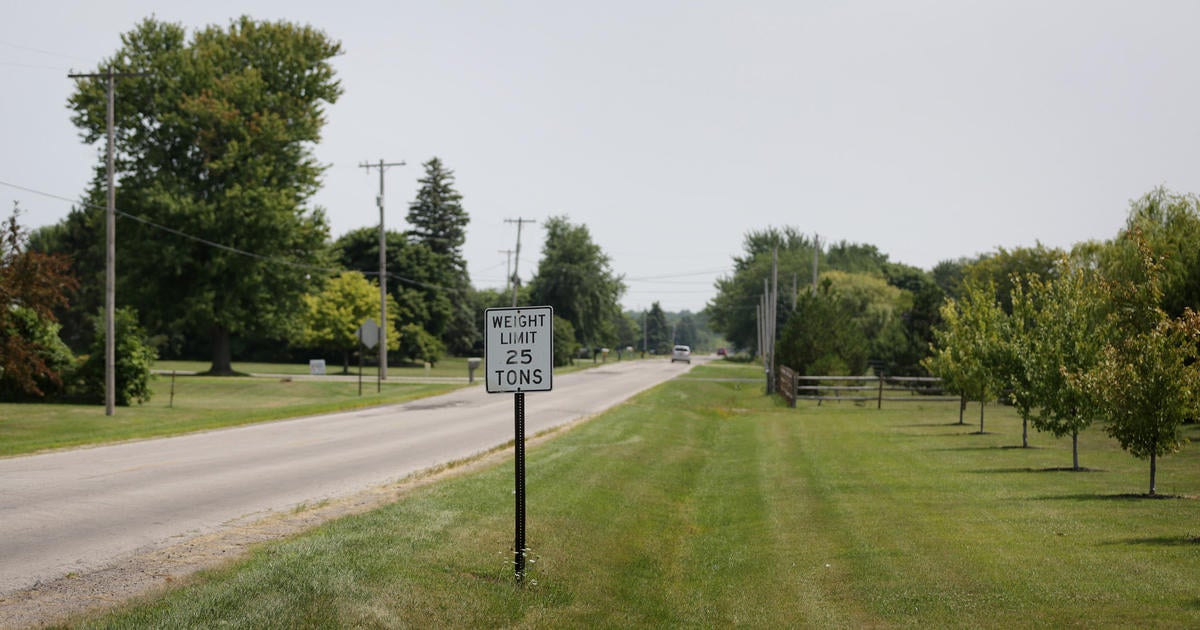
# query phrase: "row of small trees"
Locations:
[[1080, 344]]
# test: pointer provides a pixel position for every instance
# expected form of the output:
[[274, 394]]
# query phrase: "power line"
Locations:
[[686, 274], [41, 51], [516, 279], [241, 252], [32, 66]]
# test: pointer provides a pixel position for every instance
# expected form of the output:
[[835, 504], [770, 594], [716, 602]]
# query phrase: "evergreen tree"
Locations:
[[658, 333], [438, 223], [437, 218]]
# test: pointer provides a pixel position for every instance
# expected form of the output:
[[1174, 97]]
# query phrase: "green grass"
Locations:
[[448, 367], [707, 504], [203, 403], [200, 403]]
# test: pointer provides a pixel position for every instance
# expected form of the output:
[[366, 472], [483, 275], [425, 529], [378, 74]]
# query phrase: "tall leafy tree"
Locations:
[[628, 332], [1001, 268], [216, 142], [948, 275], [1147, 382], [732, 310], [32, 286], [1167, 225], [334, 315], [685, 330], [575, 277], [905, 340], [823, 338], [79, 236], [969, 345], [1066, 328]]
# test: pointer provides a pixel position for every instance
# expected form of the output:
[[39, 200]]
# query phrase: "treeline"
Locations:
[[220, 253], [1106, 332], [863, 309]]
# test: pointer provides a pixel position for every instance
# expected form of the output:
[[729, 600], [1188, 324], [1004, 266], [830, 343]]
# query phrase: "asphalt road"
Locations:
[[77, 511]]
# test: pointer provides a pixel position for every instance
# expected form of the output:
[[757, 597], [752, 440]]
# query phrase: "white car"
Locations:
[[681, 353]]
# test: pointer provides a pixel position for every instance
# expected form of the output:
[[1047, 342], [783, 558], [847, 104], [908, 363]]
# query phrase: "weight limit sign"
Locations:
[[520, 349]]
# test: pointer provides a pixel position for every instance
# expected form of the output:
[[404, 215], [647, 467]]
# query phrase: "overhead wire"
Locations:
[[329, 270], [272, 259], [41, 51]]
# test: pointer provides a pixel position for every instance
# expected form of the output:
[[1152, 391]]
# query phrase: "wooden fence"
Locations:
[[795, 387]]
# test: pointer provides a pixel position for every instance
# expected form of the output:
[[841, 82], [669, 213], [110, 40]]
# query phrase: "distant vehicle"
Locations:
[[720, 352], [681, 353]]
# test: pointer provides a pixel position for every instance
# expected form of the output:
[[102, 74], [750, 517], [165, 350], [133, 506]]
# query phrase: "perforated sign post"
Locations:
[[519, 359]]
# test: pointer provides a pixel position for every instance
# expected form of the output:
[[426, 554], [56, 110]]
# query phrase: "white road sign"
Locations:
[[520, 349]]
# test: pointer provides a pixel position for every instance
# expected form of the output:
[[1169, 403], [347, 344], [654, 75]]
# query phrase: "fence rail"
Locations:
[[793, 387]]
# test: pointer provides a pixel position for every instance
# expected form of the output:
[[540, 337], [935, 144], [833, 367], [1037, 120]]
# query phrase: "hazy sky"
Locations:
[[932, 130]]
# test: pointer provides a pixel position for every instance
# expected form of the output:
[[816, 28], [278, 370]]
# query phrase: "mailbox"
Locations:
[[473, 364]]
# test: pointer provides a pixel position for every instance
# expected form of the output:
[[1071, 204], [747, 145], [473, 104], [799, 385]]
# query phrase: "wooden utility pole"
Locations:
[[110, 239], [507, 268], [516, 279], [383, 326], [816, 253]]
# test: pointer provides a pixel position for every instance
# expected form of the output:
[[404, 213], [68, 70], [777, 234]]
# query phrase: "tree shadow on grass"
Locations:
[[1113, 497], [1160, 541], [989, 447], [989, 471]]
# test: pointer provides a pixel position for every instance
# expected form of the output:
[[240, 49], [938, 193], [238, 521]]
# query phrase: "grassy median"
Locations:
[[707, 504], [199, 403]]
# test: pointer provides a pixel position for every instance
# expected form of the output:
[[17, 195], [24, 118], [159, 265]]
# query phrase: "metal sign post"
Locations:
[[519, 470], [519, 359], [368, 335]]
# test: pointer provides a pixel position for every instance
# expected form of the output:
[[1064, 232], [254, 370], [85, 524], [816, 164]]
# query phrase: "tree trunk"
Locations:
[[962, 408], [1024, 432], [222, 361], [1153, 470], [1075, 449], [345, 362], [982, 396]]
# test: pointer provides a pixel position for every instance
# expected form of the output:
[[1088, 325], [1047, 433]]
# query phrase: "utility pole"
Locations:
[[110, 239], [383, 325], [645, 333], [774, 313], [516, 279], [507, 268], [816, 253]]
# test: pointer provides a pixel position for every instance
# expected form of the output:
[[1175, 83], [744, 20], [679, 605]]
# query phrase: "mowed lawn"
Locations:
[[708, 504], [199, 403]]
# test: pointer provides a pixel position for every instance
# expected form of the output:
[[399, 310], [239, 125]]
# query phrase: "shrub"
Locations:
[[134, 358], [416, 344], [56, 360], [565, 346]]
